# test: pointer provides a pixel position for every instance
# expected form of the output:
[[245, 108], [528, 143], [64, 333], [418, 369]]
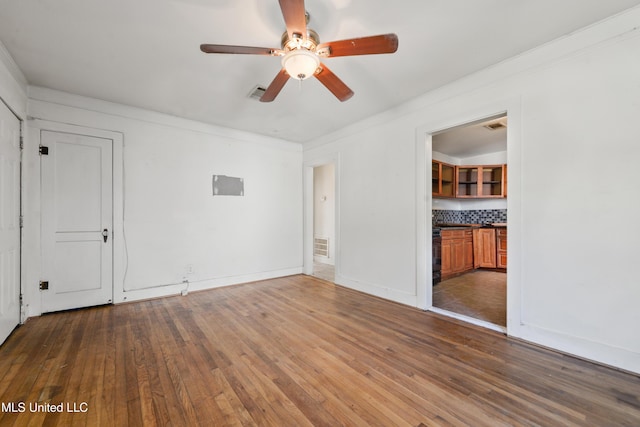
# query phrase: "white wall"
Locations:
[[573, 190], [496, 158], [324, 205], [468, 204], [172, 222], [376, 206]]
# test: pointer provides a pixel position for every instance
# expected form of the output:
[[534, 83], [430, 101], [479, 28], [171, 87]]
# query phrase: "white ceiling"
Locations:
[[472, 139], [145, 53]]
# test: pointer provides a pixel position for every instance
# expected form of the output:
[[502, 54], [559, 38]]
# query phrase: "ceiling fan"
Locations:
[[301, 52]]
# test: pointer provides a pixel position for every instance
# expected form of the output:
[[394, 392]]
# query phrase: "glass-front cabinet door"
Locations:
[[468, 181], [442, 179], [481, 181], [492, 181]]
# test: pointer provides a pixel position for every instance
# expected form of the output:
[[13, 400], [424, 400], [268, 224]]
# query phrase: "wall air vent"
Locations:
[[321, 247], [257, 92]]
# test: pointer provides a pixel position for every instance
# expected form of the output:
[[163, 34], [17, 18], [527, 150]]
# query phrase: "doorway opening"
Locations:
[[469, 221], [324, 226]]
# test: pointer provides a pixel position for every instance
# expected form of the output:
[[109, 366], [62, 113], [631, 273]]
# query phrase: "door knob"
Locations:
[[105, 235]]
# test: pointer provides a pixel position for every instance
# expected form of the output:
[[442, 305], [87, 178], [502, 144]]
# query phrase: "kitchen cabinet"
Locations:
[[481, 181], [475, 181], [484, 248], [467, 248], [501, 243], [457, 252], [442, 179], [490, 247]]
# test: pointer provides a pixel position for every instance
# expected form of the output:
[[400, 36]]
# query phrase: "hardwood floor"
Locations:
[[324, 271], [295, 351], [481, 294]]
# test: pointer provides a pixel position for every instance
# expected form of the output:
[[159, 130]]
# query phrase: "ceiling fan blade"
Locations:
[[333, 83], [383, 43], [294, 17], [275, 87], [246, 50]]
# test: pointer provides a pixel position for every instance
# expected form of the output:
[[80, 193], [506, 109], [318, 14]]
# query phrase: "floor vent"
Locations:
[[321, 247]]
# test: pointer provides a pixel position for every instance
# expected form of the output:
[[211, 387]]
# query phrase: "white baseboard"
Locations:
[[378, 290], [620, 358], [201, 285]]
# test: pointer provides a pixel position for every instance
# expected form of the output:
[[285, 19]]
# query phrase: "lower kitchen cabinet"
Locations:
[[465, 249], [501, 243], [490, 248], [484, 248], [457, 252]]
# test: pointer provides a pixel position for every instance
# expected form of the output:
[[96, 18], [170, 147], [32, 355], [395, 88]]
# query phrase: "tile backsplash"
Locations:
[[478, 216]]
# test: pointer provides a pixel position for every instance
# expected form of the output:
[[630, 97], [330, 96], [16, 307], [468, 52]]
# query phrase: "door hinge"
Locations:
[[44, 285], [44, 151], [21, 142], [21, 221]]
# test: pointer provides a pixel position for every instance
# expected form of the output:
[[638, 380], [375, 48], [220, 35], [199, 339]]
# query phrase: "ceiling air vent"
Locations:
[[495, 126], [257, 92]]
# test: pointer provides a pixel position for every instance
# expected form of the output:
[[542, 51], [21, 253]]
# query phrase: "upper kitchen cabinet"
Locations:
[[442, 179], [481, 181], [479, 152]]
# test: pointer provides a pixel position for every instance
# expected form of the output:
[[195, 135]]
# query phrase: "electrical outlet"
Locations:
[[189, 268]]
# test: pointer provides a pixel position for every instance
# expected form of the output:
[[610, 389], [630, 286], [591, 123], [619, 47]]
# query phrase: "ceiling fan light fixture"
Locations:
[[300, 63], [301, 51]]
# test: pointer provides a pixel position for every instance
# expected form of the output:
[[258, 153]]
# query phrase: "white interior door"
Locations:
[[77, 218], [9, 222]]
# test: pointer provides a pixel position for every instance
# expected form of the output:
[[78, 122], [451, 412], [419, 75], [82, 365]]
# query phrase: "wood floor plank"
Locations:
[[296, 351]]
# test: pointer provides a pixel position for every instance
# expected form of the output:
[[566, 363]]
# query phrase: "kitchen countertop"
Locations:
[[455, 226], [450, 226]]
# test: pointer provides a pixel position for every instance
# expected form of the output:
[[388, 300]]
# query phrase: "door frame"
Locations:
[[21, 313], [450, 119], [119, 245], [308, 213], [455, 314]]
